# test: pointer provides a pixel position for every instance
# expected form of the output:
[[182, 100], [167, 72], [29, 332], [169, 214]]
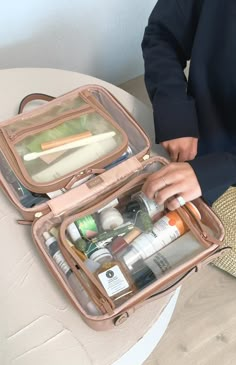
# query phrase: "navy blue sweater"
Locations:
[[203, 31]]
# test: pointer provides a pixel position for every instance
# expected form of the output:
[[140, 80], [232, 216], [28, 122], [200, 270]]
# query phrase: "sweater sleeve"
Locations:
[[166, 46], [216, 173]]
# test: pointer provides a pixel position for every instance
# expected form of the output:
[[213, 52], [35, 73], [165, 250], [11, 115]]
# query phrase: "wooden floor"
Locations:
[[203, 327]]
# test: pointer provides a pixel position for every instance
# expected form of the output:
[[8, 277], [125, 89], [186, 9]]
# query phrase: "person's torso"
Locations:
[[212, 78]]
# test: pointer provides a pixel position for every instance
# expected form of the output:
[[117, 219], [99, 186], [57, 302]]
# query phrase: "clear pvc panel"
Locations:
[[71, 145], [47, 238], [46, 115], [27, 198], [136, 140], [131, 243]]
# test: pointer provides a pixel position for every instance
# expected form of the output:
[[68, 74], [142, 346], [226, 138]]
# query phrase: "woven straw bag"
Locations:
[[225, 208]]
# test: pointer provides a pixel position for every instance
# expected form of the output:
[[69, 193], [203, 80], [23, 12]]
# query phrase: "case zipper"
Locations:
[[122, 183], [28, 222], [131, 184], [26, 180], [84, 173], [14, 136]]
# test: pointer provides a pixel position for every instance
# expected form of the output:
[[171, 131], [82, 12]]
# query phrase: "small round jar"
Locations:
[[101, 256], [110, 218], [150, 205]]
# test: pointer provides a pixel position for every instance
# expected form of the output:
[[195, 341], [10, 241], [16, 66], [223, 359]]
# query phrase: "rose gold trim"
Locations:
[[120, 107], [40, 127], [59, 183]]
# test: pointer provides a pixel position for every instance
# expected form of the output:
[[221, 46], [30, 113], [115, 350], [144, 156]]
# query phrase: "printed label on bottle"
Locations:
[[59, 259], [158, 264], [165, 232], [152, 206], [113, 281], [162, 234], [145, 244]]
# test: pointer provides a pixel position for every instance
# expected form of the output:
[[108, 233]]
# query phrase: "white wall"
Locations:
[[97, 37]]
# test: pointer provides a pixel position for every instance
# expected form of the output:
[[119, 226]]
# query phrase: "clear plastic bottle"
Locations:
[[144, 272], [149, 205], [142, 212], [77, 288], [165, 230]]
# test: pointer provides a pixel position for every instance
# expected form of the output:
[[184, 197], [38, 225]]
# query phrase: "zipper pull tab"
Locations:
[[74, 180], [83, 175], [95, 171], [24, 222]]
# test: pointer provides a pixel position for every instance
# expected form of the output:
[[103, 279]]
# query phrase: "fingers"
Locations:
[[161, 179], [188, 195], [186, 156], [168, 192], [156, 182], [174, 156], [181, 149], [172, 150], [176, 179], [173, 203]]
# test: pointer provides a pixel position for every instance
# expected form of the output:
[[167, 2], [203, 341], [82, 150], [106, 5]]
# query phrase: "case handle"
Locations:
[[177, 283], [196, 227], [31, 97], [174, 285]]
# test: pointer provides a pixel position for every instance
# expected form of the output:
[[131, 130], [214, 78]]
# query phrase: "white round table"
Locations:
[[38, 324]]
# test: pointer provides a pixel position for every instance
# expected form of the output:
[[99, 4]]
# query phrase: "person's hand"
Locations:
[[181, 149], [176, 179]]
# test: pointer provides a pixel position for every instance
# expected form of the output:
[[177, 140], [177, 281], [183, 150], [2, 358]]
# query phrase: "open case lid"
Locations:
[[29, 141], [85, 99]]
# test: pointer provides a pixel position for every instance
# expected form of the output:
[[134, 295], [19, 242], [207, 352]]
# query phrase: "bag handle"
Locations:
[[196, 227], [177, 283], [31, 97]]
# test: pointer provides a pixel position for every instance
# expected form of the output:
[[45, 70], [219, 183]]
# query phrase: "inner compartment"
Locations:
[[130, 243], [44, 114], [71, 145], [53, 164], [137, 141], [26, 198], [46, 235]]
